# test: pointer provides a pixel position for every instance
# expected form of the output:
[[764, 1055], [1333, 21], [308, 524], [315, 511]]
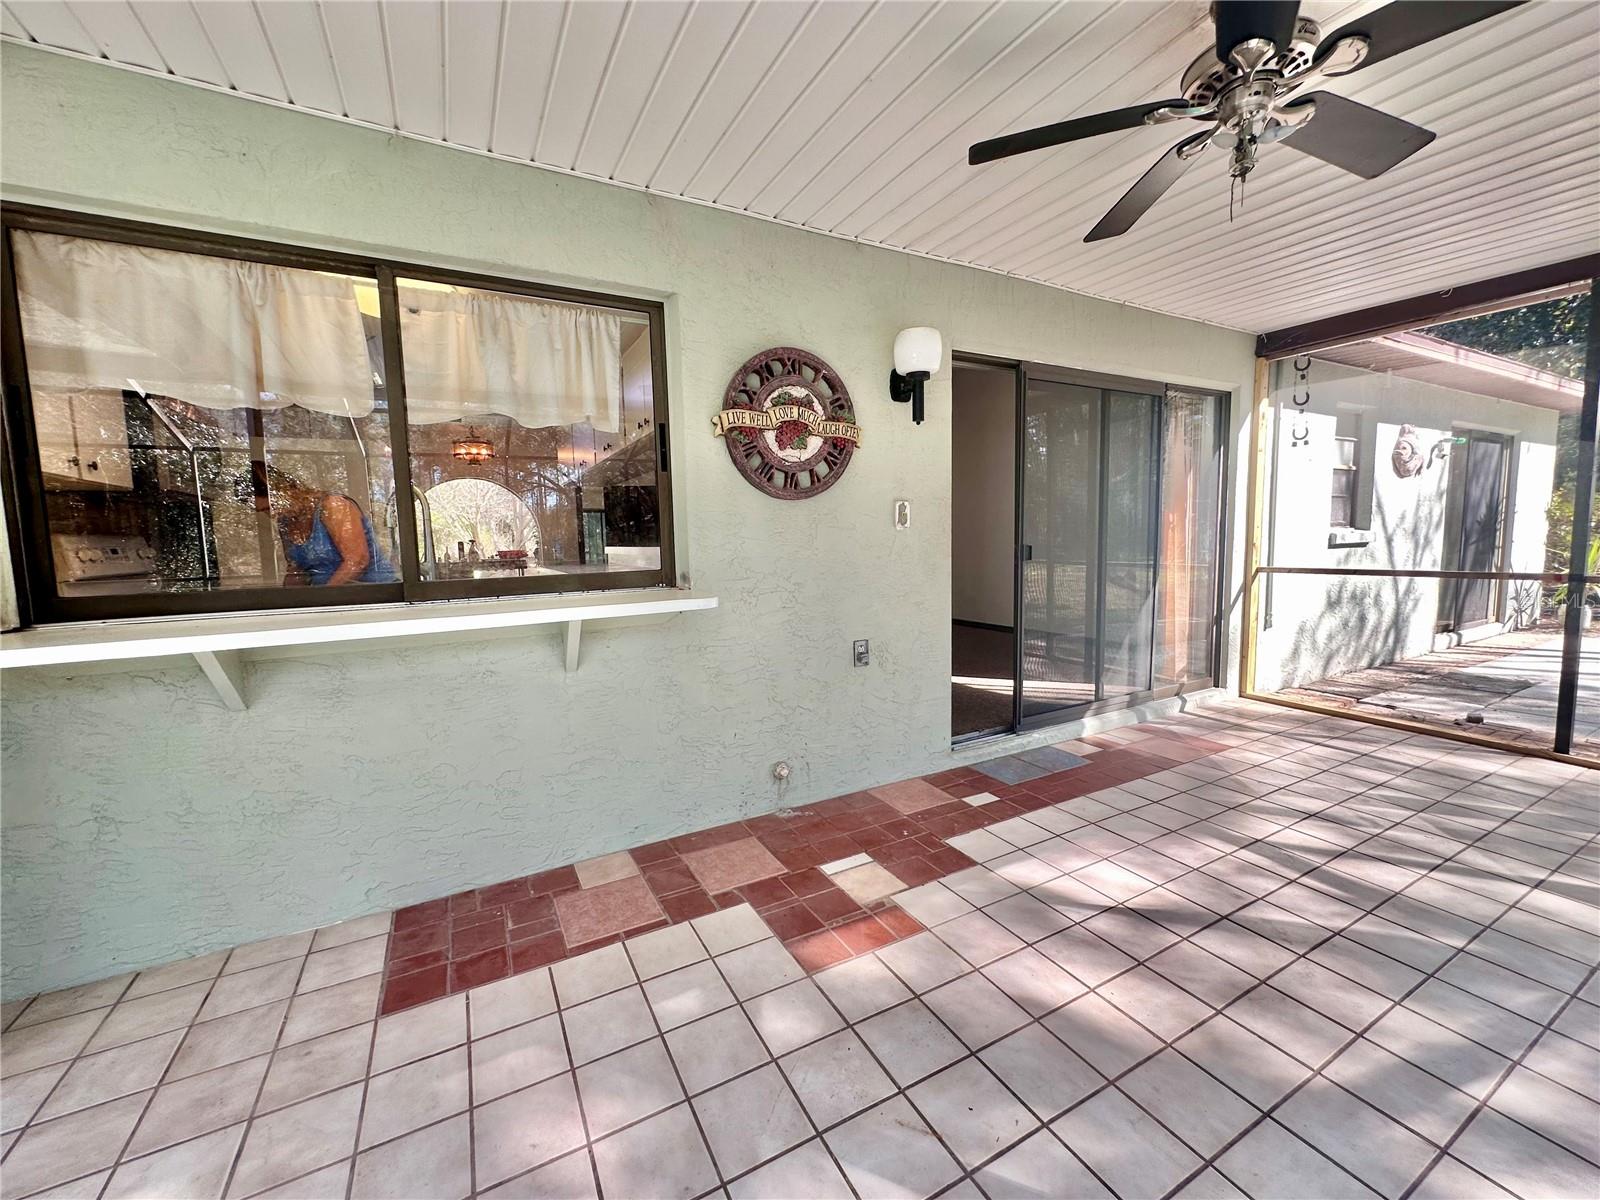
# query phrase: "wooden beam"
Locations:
[[1429, 309]]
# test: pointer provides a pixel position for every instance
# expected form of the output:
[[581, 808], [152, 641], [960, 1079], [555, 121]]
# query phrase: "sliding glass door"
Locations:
[[1120, 486], [1060, 552], [1116, 527], [1089, 543]]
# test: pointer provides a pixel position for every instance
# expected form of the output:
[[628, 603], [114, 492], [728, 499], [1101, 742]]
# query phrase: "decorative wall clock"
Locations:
[[788, 423]]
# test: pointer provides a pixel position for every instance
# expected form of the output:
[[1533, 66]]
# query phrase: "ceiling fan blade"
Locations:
[[1407, 24], [1359, 139], [1066, 131], [1246, 20], [1152, 185]]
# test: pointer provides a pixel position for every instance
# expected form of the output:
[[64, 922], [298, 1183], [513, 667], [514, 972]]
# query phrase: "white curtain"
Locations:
[[213, 332], [470, 353]]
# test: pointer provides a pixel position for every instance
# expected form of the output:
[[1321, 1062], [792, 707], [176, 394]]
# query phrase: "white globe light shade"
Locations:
[[918, 349]]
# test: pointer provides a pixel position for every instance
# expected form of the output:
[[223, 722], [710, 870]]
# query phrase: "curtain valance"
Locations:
[[218, 333], [471, 353]]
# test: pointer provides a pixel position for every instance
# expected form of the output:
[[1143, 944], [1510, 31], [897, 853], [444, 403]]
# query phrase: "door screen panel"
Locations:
[[1127, 594], [1060, 570]]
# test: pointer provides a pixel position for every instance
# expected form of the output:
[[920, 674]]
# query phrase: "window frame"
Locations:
[[1349, 475], [27, 526]]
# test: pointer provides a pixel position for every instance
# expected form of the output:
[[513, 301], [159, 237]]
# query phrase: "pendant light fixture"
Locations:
[[473, 449]]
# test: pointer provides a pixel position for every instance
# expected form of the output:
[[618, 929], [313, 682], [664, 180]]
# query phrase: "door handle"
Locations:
[[1027, 552]]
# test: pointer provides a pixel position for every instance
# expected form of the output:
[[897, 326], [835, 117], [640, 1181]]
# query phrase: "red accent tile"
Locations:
[[591, 914], [950, 860], [899, 922], [727, 899], [866, 933], [832, 905], [962, 790], [475, 939], [653, 853], [768, 823], [836, 847], [999, 810], [538, 951], [732, 864], [686, 905], [463, 902], [669, 878], [502, 893], [911, 795], [405, 991], [418, 939], [899, 851], [480, 968], [421, 914], [806, 883], [915, 871], [533, 910], [559, 879], [720, 835], [799, 858], [416, 962], [793, 921], [597, 944], [482, 916], [849, 802], [818, 950], [767, 893], [864, 818], [947, 826]]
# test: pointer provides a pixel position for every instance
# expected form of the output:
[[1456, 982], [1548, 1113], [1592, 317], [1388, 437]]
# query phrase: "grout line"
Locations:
[[1510, 1069]]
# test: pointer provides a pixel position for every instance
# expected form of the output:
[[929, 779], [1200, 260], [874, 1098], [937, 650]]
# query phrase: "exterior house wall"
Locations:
[[1326, 625], [143, 821]]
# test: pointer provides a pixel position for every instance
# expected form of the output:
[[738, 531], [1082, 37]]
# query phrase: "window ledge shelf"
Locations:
[[217, 644]]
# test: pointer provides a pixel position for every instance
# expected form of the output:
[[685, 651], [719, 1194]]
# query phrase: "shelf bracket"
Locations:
[[574, 640], [225, 671]]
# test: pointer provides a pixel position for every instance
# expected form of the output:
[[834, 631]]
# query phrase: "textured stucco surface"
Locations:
[[143, 822]]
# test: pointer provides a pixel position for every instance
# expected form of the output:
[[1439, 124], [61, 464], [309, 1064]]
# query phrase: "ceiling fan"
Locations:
[[1252, 91]]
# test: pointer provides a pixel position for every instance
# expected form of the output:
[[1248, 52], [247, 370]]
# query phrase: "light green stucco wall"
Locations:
[[143, 822]]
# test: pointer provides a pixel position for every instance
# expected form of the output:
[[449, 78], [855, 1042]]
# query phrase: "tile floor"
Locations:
[[1311, 959], [788, 865]]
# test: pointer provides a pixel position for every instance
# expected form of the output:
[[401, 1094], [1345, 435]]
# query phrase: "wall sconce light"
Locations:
[[917, 354]]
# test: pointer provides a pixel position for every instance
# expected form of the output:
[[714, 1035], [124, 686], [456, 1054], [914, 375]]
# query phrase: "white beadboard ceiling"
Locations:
[[852, 117]]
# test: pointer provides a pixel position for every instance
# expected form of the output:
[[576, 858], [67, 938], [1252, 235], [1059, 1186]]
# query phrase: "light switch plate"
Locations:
[[863, 653]]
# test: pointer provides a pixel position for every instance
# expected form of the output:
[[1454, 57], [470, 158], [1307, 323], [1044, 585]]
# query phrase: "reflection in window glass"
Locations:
[[203, 423], [532, 433]]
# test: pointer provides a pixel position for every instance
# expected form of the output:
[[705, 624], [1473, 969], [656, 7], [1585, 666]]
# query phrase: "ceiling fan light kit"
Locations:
[[1251, 90]]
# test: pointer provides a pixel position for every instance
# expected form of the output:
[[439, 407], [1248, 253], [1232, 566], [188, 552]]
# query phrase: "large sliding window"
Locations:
[[198, 424]]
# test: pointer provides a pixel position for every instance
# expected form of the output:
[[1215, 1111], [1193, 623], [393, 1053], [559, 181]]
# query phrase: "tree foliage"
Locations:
[[1550, 335]]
